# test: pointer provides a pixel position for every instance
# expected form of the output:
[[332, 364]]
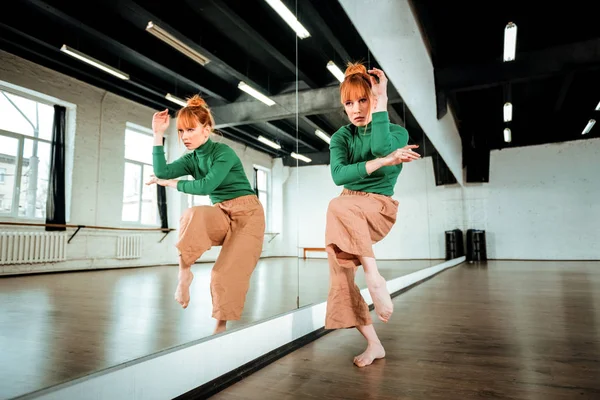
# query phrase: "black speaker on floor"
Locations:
[[476, 247], [454, 244]]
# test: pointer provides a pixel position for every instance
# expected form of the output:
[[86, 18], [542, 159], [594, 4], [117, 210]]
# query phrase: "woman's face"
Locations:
[[193, 138], [358, 111]]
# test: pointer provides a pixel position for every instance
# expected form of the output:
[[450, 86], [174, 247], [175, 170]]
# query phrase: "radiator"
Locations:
[[32, 247], [129, 247]]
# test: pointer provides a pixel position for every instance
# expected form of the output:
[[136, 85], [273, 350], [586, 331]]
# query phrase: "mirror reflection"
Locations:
[[143, 190]]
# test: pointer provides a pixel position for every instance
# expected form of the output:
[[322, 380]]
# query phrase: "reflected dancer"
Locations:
[[236, 221]]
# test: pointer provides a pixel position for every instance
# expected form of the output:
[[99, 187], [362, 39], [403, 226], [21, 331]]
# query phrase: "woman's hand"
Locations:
[[160, 122], [162, 182], [402, 155], [379, 90]]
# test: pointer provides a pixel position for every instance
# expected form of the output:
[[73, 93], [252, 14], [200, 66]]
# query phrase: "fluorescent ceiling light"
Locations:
[[335, 71], [323, 136], [301, 157], [289, 18], [598, 107], [94, 62], [268, 142], [176, 43], [589, 126], [510, 41], [253, 92], [176, 100], [507, 112], [507, 135]]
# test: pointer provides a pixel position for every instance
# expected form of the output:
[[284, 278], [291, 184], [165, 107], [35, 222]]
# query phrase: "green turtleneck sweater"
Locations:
[[217, 171], [351, 147]]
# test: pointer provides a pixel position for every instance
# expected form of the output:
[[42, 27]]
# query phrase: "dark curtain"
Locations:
[[55, 201], [161, 199], [256, 181]]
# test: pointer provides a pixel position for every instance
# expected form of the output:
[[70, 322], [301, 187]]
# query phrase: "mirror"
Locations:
[[427, 202], [103, 291]]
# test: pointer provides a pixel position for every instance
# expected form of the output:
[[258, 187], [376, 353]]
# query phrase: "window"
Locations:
[[139, 199], [262, 180], [194, 200], [25, 142]]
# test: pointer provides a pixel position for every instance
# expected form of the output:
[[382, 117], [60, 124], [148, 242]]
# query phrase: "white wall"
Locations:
[[542, 202], [425, 212], [99, 120]]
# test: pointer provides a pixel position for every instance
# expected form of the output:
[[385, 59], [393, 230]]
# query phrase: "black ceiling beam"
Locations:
[[313, 18], [580, 56], [248, 140], [240, 23], [564, 88], [166, 66], [139, 16], [43, 56]]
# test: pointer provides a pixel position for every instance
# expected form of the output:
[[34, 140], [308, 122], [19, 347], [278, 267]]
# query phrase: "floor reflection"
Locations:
[[57, 327]]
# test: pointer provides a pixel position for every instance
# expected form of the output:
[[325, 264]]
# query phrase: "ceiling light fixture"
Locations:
[[269, 142], [92, 61], [176, 43], [301, 157], [507, 112], [323, 136], [336, 71], [510, 41], [176, 100], [289, 18], [598, 107], [589, 126], [255, 93], [507, 135]]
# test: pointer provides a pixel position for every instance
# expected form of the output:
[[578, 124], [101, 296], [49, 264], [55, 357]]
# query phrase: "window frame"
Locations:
[[267, 192], [129, 126], [16, 196]]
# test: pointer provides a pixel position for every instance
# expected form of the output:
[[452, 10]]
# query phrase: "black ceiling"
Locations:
[[553, 83], [245, 41]]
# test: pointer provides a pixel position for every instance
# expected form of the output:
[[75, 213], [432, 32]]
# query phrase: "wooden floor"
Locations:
[[505, 330], [57, 327]]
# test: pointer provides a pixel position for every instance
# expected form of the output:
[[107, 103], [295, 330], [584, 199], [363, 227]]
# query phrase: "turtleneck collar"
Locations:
[[205, 148]]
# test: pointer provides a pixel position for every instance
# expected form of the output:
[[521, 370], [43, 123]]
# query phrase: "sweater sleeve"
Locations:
[[342, 171], [223, 161], [162, 170], [381, 138]]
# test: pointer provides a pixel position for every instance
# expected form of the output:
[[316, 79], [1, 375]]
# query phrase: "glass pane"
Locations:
[[131, 192], [149, 202], [264, 199], [8, 166], [46, 121], [35, 174], [22, 115], [138, 146], [201, 201], [261, 179]]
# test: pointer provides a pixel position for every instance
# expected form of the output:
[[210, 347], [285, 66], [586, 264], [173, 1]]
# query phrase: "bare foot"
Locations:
[[182, 293], [221, 327], [381, 298], [373, 352]]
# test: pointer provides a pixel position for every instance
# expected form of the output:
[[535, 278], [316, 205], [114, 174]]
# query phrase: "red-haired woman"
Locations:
[[236, 221], [366, 158]]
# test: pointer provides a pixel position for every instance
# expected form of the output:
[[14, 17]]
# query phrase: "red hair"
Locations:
[[356, 84], [195, 113]]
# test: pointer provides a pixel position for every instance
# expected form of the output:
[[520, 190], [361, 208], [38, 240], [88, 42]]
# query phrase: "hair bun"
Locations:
[[196, 101], [355, 68]]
